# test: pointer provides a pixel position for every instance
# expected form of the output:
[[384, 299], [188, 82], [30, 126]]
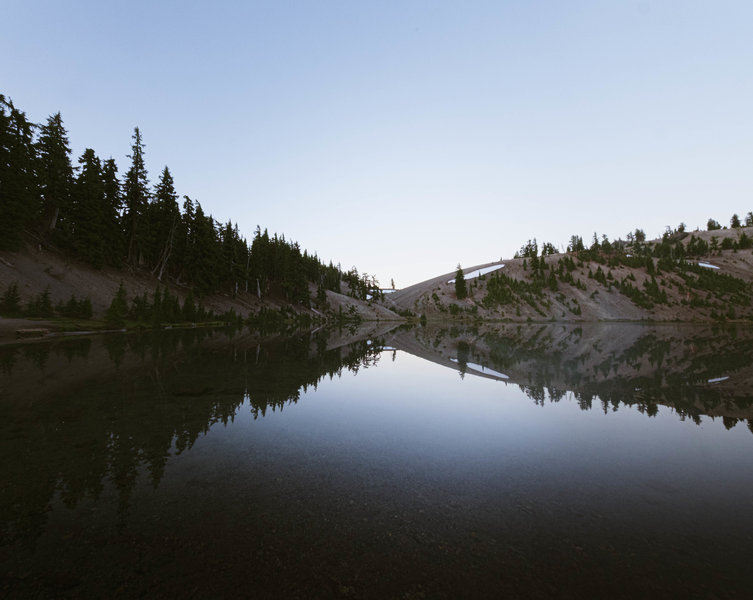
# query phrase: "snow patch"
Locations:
[[707, 265], [482, 369], [718, 379], [478, 272]]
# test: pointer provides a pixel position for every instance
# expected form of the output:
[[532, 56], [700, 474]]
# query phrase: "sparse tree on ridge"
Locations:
[[461, 291], [548, 249], [576, 244]]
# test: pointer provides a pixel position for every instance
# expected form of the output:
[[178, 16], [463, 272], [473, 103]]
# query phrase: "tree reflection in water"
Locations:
[[695, 370], [78, 413]]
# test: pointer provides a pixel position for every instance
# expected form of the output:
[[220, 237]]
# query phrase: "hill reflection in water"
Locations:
[[695, 370]]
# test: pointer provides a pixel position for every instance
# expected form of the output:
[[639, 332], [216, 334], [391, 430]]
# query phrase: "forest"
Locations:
[[91, 212]]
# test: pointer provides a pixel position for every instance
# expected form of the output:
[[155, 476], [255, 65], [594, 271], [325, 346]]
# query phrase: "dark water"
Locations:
[[519, 462]]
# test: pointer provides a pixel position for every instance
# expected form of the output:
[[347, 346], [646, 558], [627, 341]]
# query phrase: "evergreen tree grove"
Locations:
[[106, 221]]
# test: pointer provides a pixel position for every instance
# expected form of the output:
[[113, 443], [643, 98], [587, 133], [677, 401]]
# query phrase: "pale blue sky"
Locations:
[[405, 137]]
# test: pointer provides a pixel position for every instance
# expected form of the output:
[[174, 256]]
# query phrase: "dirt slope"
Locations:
[[36, 269], [591, 300]]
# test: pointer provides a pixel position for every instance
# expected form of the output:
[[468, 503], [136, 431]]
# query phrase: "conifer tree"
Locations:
[[230, 257], [136, 199], [10, 303], [18, 184], [188, 312], [88, 210], [164, 219], [461, 291], [183, 251], [118, 309], [204, 252], [113, 206], [55, 172]]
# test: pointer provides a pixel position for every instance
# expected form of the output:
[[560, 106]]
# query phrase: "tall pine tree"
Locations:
[[205, 252], [136, 200], [113, 207], [18, 185], [88, 211], [164, 219], [55, 174]]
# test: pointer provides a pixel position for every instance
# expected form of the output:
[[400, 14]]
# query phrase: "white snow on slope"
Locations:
[[482, 369], [707, 265], [478, 272]]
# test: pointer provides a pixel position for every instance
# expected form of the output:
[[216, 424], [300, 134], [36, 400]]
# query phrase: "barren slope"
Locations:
[[579, 295]]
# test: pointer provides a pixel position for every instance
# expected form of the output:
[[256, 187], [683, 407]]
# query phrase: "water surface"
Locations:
[[538, 461]]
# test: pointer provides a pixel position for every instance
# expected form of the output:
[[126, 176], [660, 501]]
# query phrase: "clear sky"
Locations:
[[404, 137]]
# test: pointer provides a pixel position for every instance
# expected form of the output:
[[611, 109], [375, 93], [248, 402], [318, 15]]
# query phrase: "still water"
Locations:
[[610, 461]]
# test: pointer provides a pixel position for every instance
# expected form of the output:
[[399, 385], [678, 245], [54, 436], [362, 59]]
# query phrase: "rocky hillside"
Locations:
[[698, 276]]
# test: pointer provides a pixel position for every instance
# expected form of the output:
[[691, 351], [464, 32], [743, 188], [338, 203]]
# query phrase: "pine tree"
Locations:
[[41, 306], [18, 184], [136, 199], [118, 309], [113, 206], [229, 266], [157, 308], [55, 173], [183, 251], [576, 244], [461, 291], [188, 312], [88, 211], [10, 303], [205, 252], [164, 219]]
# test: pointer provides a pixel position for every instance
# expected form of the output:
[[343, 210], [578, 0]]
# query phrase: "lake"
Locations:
[[475, 461]]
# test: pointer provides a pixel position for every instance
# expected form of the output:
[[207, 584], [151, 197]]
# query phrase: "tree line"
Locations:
[[91, 212]]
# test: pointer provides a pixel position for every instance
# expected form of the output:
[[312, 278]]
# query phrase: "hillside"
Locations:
[[35, 270], [70, 234], [698, 276]]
